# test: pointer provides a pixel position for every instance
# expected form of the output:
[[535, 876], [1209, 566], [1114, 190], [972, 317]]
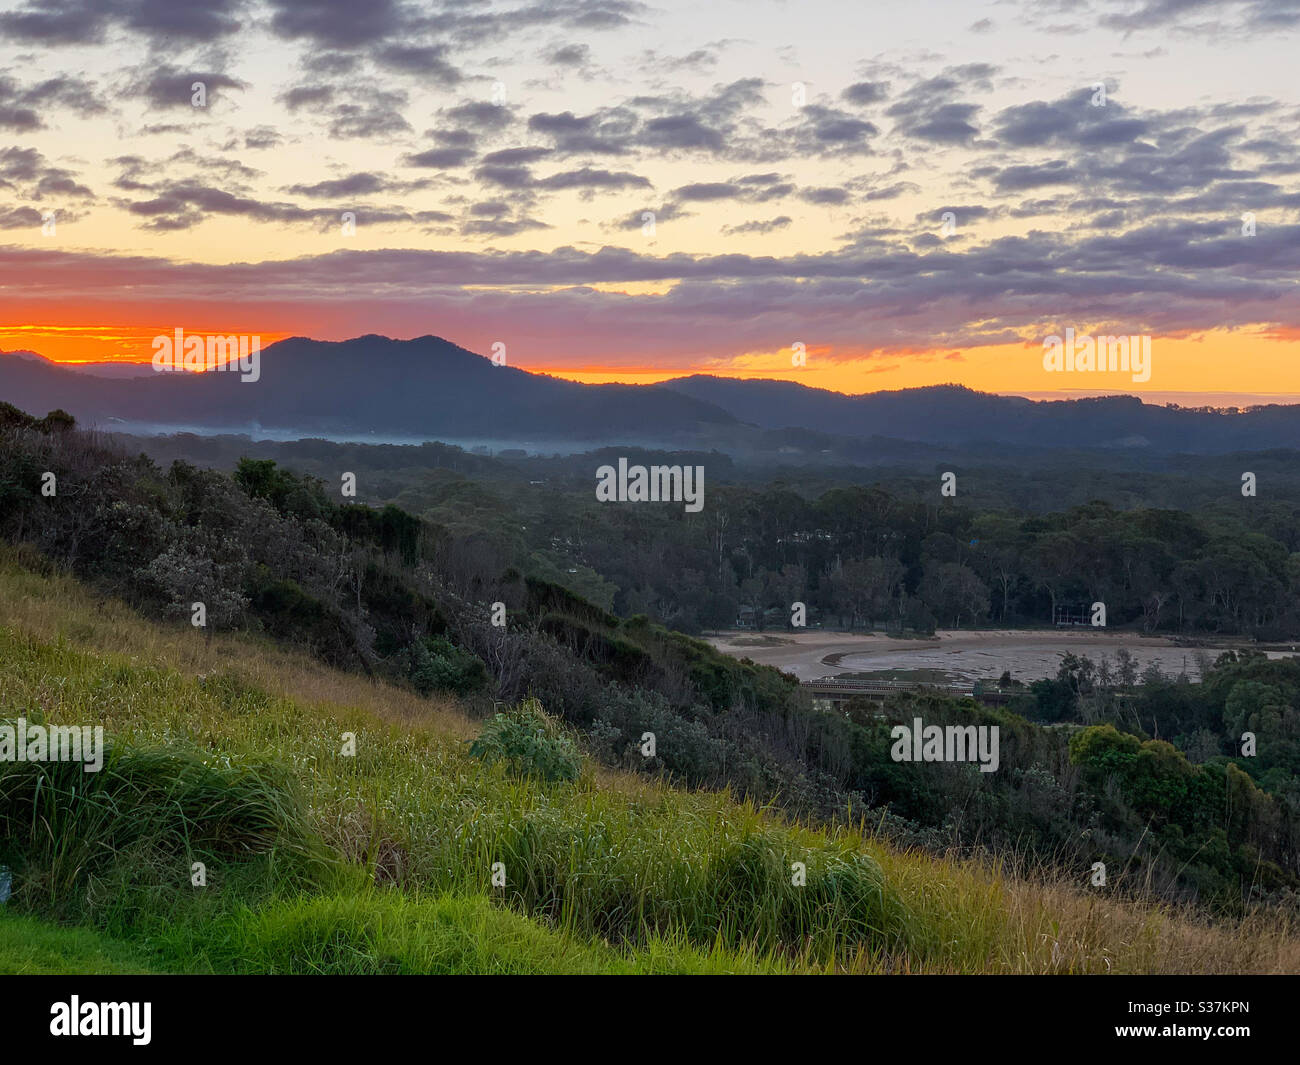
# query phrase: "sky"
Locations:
[[858, 196]]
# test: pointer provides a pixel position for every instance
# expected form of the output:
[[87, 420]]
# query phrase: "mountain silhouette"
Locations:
[[433, 388]]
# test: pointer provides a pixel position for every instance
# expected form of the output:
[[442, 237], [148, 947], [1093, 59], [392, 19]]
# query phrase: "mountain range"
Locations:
[[431, 388]]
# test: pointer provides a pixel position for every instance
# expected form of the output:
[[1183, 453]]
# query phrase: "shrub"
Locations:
[[531, 743], [437, 664]]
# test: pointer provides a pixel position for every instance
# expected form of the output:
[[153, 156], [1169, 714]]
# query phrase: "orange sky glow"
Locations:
[[1221, 368]]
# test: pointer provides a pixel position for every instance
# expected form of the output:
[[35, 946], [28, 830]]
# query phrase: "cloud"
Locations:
[[1070, 122], [363, 183], [22, 107], [26, 170], [770, 225], [866, 92], [576, 56], [929, 111], [590, 179], [428, 62], [440, 158], [20, 218], [342, 24], [1168, 279], [168, 86], [81, 22]]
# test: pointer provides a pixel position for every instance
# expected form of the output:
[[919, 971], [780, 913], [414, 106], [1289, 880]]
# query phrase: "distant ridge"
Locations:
[[954, 414], [430, 387]]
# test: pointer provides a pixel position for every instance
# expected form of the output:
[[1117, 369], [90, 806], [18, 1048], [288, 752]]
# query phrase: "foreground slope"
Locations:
[[382, 862]]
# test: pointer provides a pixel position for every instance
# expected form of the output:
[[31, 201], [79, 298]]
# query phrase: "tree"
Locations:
[[953, 590]]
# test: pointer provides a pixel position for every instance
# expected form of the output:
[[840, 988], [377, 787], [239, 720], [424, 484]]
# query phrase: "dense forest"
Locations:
[[1144, 773], [891, 554]]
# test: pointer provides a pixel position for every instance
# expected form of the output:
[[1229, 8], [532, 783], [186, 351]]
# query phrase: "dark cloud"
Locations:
[[331, 64], [428, 62], [770, 225], [516, 156], [26, 170], [342, 24], [707, 190], [181, 205], [260, 137], [589, 178], [964, 213], [828, 129], [699, 61], [359, 184], [866, 92], [168, 86], [1020, 177], [569, 55], [500, 227], [892, 192], [605, 132], [509, 177], [22, 107], [930, 111], [440, 158], [1070, 122], [680, 131], [64, 22], [355, 121], [750, 188], [828, 195], [668, 212], [1206, 15], [712, 124], [311, 96], [20, 218], [480, 116]]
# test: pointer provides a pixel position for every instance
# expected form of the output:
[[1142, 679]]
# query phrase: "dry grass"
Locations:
[[59, 607]]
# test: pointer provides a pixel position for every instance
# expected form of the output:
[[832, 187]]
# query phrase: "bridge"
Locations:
[[829, 693]]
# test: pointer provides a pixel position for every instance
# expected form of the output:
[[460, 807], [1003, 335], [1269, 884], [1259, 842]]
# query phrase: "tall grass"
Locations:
[[60, 825]]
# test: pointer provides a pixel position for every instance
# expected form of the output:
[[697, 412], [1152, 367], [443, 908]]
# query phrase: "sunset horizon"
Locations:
[[637, 194]]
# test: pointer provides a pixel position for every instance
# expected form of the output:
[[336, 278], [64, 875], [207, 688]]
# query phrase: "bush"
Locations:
[[439, 665], [531, 743]]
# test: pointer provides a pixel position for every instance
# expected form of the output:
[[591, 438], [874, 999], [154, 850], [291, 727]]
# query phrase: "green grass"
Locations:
[[199, 772], [382, 932], [230, 753], [32, 947]]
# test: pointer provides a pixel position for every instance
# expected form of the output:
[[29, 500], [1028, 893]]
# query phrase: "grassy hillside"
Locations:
[[226, 751], [399, 599]]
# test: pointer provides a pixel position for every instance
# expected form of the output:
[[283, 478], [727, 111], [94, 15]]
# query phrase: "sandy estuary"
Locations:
[[956, 655]]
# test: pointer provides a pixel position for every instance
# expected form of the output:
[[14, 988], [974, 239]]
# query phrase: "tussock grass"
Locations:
[[60, 825], [391, 868], [386, 932]]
